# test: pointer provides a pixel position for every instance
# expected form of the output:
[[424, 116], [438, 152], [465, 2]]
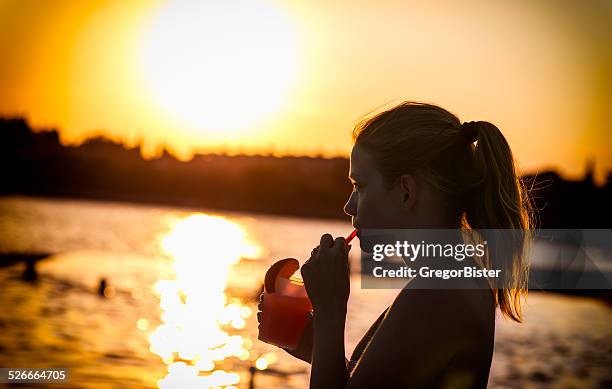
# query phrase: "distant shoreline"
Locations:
[[308, 187]]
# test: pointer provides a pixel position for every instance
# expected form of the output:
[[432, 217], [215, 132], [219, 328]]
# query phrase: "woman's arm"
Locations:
[[329, 364], [327, 280]]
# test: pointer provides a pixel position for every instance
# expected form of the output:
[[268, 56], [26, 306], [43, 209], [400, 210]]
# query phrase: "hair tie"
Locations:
[[469, 132]]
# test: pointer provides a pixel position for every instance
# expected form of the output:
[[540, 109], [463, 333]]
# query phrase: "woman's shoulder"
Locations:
[[455, 294], [457, 310], [418, 337]]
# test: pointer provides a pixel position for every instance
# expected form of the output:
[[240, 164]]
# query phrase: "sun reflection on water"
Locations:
[[197, 317]]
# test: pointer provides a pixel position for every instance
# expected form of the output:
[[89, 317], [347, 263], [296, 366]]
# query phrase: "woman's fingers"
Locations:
[[314, 251], [327, 243], [327, 240], [340, 244]]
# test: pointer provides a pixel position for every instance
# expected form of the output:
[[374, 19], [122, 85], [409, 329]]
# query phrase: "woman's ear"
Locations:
[[408, 190]]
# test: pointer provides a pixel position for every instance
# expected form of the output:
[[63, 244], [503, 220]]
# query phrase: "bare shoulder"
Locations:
[[462, 312], [423, 330]]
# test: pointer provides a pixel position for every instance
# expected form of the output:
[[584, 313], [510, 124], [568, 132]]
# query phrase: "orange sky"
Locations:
[[294, 76]]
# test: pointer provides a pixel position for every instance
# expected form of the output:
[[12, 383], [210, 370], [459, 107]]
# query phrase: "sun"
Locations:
[[219, 67]]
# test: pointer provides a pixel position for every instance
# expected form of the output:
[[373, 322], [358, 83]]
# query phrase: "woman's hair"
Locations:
[[471, 166]]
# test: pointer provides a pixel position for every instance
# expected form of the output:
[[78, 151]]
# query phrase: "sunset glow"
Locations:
[[219, 67], [269, 76]]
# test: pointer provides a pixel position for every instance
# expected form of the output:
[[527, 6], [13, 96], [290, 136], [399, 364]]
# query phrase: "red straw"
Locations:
[[351, 236]]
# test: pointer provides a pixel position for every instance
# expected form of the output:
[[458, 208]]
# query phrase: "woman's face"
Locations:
[[409, 204], [371, 205]]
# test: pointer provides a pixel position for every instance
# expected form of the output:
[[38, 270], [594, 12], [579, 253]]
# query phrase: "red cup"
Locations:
[[285, 306]]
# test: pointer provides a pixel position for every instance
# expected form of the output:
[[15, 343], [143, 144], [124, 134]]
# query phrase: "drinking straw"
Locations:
[[351, 236]]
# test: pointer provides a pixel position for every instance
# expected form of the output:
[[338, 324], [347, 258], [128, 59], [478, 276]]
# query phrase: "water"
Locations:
[[181, 297]]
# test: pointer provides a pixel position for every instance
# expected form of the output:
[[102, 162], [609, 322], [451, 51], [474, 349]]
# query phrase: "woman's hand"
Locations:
[[304, 349], [326, 276]]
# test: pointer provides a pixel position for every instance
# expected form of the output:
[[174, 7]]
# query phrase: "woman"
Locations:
[[415, 166]]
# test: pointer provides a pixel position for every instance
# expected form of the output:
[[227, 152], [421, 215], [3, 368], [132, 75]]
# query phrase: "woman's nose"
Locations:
[[349, 207]]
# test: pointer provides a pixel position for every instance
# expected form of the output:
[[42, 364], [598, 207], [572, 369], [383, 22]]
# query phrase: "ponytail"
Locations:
[[499, 201]]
